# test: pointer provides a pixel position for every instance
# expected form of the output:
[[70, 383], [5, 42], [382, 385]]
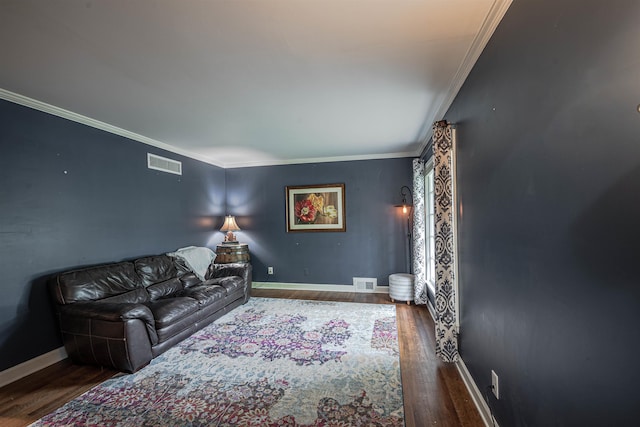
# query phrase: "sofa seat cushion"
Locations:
[[230, 284], [171, 310], [168, 288], [136, 296], [205, 294]]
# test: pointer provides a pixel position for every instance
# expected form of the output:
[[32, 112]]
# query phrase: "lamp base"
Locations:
[[230, 238]]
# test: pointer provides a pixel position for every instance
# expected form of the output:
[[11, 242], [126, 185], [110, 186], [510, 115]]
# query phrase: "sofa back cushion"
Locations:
[[181, 266], [154, 269], [94, 283]]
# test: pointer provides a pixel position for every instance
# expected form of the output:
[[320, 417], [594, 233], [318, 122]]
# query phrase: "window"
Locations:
[[430, 241]]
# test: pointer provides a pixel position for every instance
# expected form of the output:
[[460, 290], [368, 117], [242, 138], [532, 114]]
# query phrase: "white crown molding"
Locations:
[[79, 118], [491, 21], [322, 160], [314, 287], [489, 25], [33, 365], [476, 395]]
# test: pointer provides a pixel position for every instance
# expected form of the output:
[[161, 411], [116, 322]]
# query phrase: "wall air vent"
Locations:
[[365, 284], [163, 164]]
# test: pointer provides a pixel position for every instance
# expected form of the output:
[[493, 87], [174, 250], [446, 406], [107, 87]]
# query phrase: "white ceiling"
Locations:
[[243, 83]]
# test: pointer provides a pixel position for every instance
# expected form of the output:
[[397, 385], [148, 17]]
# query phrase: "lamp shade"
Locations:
[[230, 224]]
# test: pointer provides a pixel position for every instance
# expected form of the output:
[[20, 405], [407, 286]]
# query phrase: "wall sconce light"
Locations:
[[406, 207], [230, 226]]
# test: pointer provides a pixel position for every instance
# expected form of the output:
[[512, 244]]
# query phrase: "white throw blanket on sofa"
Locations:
[[196, 258]]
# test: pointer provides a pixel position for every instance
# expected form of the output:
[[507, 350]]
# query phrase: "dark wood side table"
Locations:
[[232, 252]]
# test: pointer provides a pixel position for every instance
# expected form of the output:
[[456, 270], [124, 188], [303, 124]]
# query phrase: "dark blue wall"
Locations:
[[549, 180], [374, 244], [71, 195]]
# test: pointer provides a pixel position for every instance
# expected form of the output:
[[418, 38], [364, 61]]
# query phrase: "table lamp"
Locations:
[[230, 226]]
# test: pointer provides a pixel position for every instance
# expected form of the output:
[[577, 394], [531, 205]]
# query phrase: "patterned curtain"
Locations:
[[419, 234], [446, 335]]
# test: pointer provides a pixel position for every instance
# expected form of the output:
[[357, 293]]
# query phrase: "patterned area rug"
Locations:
[[271, 362]]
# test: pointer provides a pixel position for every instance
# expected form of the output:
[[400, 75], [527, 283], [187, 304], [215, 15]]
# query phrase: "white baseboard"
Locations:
[[476, 395], [33, 365], [314, 287]]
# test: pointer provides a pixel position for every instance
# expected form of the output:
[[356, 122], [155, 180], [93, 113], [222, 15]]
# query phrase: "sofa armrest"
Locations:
[[109, 311], [119, 335], [240, 269], [113, 312], [224, 270]]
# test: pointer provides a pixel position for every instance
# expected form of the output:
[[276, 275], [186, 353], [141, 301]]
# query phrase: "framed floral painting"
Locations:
[[316, 208]]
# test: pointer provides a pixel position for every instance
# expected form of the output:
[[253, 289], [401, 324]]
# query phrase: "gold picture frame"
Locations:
[[316, 208]]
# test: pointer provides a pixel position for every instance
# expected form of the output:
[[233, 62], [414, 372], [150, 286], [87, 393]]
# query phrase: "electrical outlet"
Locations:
[[269, 270], [494, 384]]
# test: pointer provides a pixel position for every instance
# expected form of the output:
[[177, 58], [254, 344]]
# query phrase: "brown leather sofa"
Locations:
[[122, 315]]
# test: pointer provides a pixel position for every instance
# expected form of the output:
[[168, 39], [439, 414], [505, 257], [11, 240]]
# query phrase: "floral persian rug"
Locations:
[[270, 362]]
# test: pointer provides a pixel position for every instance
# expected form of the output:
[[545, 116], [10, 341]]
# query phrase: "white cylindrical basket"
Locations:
[[401, 287]]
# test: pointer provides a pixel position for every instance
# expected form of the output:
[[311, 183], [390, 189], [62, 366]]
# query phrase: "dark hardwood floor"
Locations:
[[434, 394]]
